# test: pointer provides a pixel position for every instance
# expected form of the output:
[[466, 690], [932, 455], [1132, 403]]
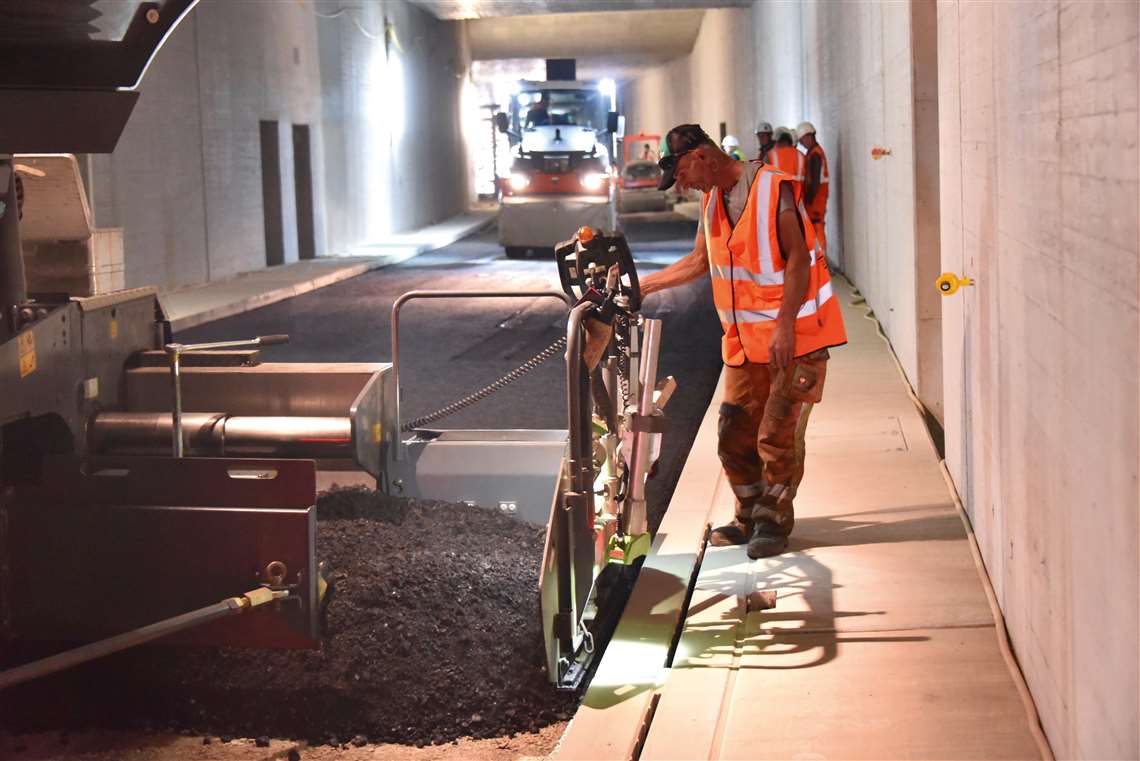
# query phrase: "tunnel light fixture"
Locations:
[[608, 88]]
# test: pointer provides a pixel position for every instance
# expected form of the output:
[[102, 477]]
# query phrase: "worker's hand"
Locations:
[[613, 275], [782, 347]]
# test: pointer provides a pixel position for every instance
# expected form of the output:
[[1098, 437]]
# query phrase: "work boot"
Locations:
[[771, 525], [766, 541], [731, 534]]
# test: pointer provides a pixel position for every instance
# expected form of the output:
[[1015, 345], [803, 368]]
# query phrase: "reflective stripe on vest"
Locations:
[[747, 270], [807, 309]]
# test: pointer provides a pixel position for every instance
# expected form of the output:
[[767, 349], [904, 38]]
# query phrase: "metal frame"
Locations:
[[176, 350], [112, 543], [397, 442], [55, 61]]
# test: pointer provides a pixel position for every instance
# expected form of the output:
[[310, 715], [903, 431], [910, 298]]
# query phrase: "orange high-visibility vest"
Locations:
[[817, 209], [791, 162], [747, 271]]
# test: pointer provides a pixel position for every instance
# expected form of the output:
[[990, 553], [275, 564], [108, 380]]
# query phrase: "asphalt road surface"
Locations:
[[450, 348]]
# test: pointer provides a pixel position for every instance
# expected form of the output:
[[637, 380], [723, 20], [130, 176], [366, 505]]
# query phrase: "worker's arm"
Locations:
[[797, 271], [811, 182], [684, 270]]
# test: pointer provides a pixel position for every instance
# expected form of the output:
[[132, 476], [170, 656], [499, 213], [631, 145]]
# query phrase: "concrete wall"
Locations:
[[865, 74], [393, 123], [713, 84], [152, 186], [185, 181], [1038, 112]]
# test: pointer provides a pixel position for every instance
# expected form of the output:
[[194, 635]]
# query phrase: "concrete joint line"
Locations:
[[741, 636], [808, 631], [643, 729]]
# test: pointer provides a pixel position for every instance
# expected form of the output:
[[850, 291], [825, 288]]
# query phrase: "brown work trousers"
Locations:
[[761, 434]]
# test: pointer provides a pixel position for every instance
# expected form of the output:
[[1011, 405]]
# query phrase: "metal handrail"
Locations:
[[414, 295]]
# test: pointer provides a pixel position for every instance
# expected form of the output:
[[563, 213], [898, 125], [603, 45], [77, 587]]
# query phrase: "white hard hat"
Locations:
[[729, 142], [763, 127], [805, 128], [783, 131]]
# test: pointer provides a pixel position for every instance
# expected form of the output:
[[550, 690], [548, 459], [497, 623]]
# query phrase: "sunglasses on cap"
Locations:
[[687, 138]]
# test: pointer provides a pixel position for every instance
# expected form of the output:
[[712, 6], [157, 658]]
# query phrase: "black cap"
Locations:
[[680, 140]]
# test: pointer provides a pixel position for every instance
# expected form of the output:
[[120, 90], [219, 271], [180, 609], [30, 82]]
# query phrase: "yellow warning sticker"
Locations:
[[114, 329], [26, 345], [375, 433]]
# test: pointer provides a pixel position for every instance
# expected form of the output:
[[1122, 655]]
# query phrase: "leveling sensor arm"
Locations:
[[599, 526]]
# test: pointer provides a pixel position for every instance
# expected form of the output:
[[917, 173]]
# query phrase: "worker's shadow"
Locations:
[[781, 613], [728, 622]]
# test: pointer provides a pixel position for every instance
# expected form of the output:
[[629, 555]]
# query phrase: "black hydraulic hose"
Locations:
[[229, 607]]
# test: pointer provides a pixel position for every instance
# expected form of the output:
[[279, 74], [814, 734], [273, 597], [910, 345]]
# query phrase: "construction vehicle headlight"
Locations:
[[519, 181], [593, 180]]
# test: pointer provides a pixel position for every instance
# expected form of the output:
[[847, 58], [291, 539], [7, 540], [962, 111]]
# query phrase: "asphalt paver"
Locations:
[[433, 633]]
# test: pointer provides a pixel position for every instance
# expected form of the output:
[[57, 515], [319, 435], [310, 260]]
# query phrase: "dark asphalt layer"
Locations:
[[451, 348]]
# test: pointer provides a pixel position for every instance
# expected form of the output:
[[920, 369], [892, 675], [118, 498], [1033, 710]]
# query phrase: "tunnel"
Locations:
[[571, 379]]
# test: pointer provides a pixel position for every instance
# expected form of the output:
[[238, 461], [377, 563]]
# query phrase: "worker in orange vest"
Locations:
[[787, 159], [817, 180], [773, 293]]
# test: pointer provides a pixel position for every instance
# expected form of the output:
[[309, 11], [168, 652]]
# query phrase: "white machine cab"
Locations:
[[561, 172]]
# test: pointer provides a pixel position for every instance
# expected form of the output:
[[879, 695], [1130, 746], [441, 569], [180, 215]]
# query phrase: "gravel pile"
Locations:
[[432, 633]]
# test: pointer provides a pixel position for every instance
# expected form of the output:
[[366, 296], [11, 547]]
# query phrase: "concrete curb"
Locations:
[[399, 248], [272, 296]]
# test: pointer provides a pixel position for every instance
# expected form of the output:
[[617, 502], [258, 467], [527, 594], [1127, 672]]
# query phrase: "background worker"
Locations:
[[731, 146], [539, 114], [764, 138], [816, 180], [779, 316], [787, 159]]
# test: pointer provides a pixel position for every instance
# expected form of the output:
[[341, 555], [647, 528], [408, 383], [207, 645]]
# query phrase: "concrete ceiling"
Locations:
[[622, 38], [473, 9], [595, 67]]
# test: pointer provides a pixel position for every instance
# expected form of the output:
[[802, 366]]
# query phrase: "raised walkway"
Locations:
[[872, 637], [198, 304]]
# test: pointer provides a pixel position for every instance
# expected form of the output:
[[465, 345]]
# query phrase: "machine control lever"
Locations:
[[175, 352]]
